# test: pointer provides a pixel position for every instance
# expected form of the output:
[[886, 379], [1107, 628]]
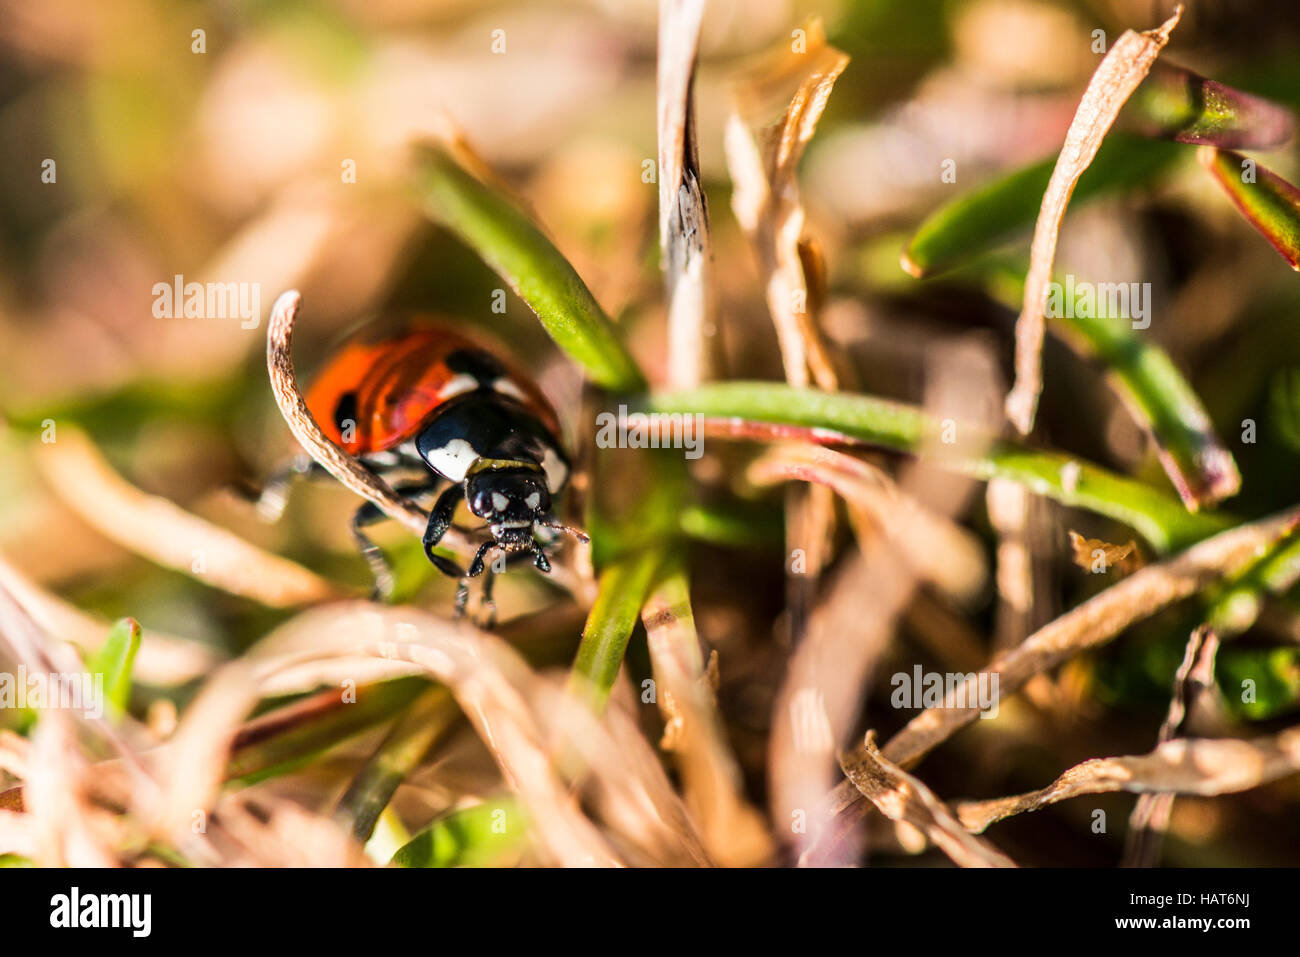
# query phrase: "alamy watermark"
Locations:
[[651, 430], [179, 299], [71, 691], [1095, 300], [932, 689]]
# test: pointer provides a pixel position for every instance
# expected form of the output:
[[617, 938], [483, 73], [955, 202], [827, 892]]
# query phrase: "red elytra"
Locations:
[[389, 386]]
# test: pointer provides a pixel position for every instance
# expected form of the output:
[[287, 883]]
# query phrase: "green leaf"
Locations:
[[1284, 407], [731, 525], [1158, 517], [624, 586], [1177, 104], [425, 721], [1269, 203], [114, 661], [993, 213], [282, 739], [492, 834], [1260, 683], [509, 242]]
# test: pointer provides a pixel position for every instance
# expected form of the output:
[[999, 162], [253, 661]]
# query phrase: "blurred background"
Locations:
[[262, 143]]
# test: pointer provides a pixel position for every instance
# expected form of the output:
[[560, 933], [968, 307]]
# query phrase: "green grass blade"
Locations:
[[280, 740], [1183, 106], [624, 586], [508, 241], [990, 215], [1269, 203], [426, 720], [114, 661], [492, 834], [1158, 517]]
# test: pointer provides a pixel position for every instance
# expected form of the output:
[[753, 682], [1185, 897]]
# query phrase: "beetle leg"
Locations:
[[382, 571], [462, 597], [488, 618], [370, 514], [543, 563], [476, 566], [439, 521], [270, 500]]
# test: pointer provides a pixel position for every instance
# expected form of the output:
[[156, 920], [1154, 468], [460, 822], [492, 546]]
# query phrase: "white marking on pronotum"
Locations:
[[457, 385], [508, 387], [556, 471], [533, 500], [453, 459], [499, 501]]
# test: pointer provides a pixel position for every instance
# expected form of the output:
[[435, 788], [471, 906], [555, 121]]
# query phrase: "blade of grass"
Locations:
[[1269, 203], [988, 216], [1177, 104], [1118, 75], [731, 829], [624, 587], [849, 418], [492, 834], [280, 739], [114, 661], [508, 241], [426, 720]]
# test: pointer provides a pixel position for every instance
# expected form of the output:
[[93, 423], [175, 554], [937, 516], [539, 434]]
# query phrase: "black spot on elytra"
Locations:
[[345, 411]]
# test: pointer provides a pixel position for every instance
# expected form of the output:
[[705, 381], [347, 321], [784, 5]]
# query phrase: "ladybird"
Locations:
[[438, 408]]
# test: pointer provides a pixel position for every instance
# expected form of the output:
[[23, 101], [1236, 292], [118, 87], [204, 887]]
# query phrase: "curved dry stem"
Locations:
[[901, 797], [522, 720], [940, 551], [1087, 626], [732, 830], [167, 534], [345, 468], [1198, 766], [1118, 75]]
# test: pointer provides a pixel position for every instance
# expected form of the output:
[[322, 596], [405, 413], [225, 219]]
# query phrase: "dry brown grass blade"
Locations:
[[1199, 766], [167, 534], [1195, 677], [483, 673], [1095, 555], [821, 696], [939, 550], [764, 167], [733, 832], [63, 826], [1089, 625], [901, 797], [1118, 75], [162, 659], [763, 160], [622, 776], [684, 244], [526, 722]]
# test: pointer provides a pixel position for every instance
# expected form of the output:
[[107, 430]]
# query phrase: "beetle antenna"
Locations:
[[577, 533]]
